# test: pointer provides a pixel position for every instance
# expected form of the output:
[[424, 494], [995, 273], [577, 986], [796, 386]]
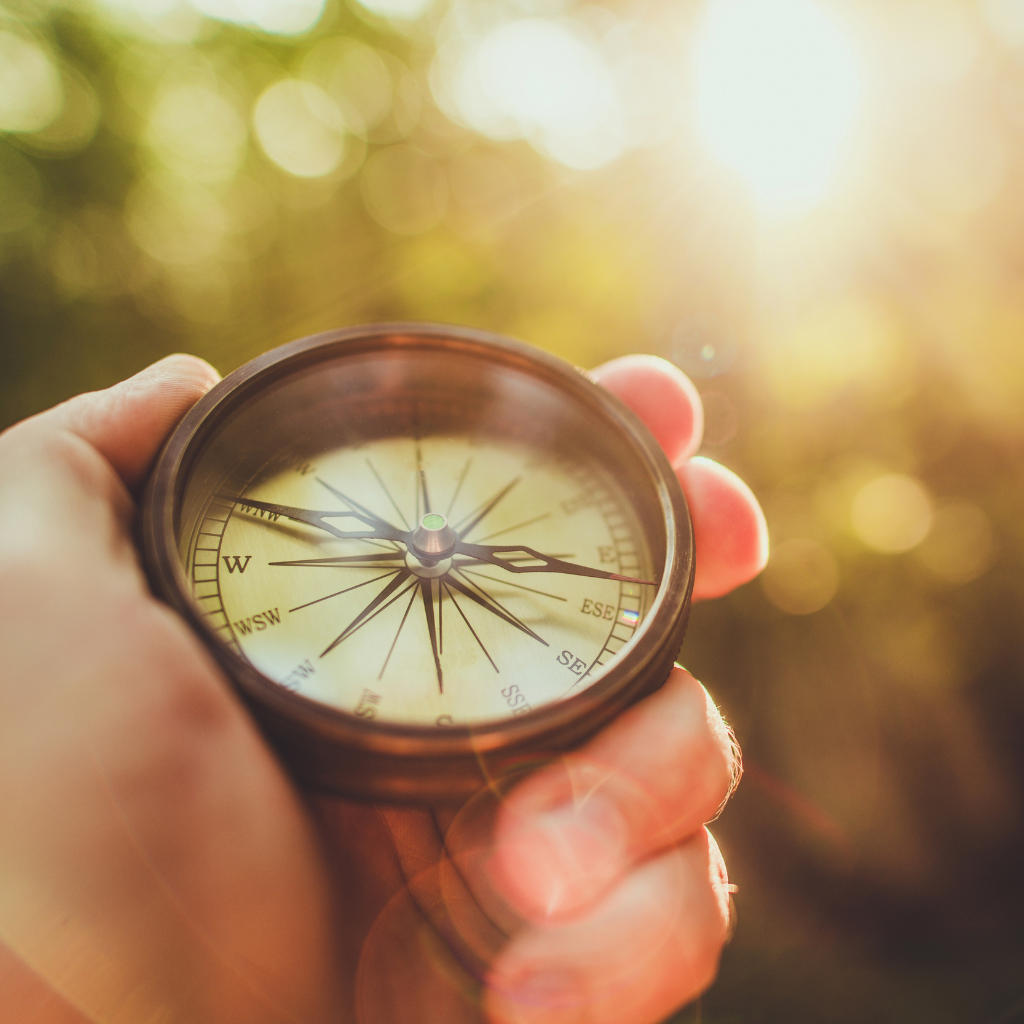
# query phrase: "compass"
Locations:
[[426, 556]]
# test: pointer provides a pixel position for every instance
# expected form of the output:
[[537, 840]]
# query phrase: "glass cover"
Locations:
[[421, 535]]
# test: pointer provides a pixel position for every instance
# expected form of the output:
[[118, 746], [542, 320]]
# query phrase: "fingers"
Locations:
[[729, 527], [128, 422], [572, 831], [662, 396], [730, 533], [651, 945], [72, 463], [154, 861]]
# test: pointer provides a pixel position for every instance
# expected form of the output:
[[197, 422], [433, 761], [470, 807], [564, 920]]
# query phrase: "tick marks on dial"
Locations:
[[571, 505]]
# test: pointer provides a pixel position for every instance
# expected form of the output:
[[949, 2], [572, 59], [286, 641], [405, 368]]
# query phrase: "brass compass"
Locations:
[[424, 554]]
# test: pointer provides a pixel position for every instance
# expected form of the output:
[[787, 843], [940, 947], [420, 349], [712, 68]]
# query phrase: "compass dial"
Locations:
[[378, 628], [422, 553]]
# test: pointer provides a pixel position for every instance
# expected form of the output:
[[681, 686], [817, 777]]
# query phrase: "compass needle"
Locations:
[[493, 554], [352, 503], [421, 479], [509, 583], [353, 561], [401, 626], [477, 514], [273, 512], [349, 523], [427, 591], [387, 494], [458, 608], [494, 608], [518, 526], [376, 606], [338, 593], [458, 487]]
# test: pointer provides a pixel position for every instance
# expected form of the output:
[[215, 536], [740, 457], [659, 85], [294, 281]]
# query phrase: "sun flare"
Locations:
[[778, 90]]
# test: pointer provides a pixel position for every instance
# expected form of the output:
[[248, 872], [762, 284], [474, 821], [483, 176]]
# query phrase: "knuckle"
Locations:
[[709, 921], [49, 473], [721, 756]]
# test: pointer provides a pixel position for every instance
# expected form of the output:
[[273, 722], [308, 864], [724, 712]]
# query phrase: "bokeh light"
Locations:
[[583, 94], [280, 17], [400, 9], [892, 514], [75, 124], [197, 133], [300, 128], [801, 577], [778, 87], [405, 191], [176, 224], [960, 545], [30, 87], [355, 76], [806, 205]]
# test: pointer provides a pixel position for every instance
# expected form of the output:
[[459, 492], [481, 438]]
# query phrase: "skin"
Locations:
[[157, 865]]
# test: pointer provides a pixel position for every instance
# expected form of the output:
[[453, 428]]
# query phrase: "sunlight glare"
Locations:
[[778, 89]]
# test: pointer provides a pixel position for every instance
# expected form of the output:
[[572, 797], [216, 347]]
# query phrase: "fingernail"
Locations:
[[560, 861]]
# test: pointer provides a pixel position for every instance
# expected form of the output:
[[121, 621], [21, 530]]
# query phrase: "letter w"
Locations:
[[234, 562]]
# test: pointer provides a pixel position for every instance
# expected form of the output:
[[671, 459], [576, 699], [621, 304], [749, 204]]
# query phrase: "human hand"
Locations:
[[598, 867], [154, 861]]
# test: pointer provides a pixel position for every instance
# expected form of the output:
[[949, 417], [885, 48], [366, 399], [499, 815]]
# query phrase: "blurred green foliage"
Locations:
[[862, 366]]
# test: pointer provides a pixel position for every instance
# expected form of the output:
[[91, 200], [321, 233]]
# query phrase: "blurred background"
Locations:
[[811, 206]]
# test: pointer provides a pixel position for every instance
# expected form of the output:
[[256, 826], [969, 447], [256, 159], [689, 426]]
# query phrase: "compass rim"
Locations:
[[336, 751]]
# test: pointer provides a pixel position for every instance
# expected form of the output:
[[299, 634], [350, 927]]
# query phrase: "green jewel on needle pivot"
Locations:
[[431, 546]]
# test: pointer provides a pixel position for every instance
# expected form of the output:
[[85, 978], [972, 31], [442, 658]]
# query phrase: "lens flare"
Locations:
[[778, 89]]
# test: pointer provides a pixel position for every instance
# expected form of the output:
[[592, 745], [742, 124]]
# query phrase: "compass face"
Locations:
[[368, 626], [418, 550]]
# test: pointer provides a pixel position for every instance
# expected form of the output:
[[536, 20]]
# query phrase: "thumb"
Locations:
[[127, 423]]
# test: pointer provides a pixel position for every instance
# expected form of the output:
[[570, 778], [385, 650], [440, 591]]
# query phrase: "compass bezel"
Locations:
[[333, 751]]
